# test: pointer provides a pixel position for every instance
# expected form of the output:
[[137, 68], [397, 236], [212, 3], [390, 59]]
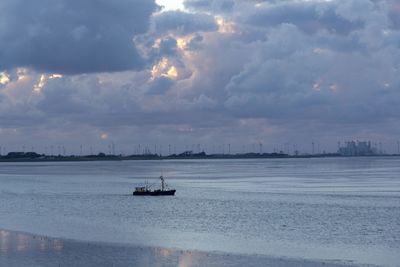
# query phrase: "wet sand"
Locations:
[[22, 249]]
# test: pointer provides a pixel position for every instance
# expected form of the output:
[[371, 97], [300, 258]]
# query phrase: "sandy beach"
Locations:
[[23, 249]]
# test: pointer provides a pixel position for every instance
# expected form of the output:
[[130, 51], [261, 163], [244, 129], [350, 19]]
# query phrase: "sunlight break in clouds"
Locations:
[[164, 69], [4, 78], [225, 26], [37, 88]]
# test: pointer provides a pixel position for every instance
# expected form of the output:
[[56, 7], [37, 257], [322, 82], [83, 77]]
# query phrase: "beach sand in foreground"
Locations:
[[22, 249]]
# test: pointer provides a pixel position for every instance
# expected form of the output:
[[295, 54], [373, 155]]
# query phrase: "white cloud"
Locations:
[[171, 4]]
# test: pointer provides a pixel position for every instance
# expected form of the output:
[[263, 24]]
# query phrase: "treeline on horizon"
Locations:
[[33, 156], [103, 156]]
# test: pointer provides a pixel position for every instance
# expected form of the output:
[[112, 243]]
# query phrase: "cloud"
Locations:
[[72, 37], [252, 70], [394, 13], [160, 85], [293, 77], [327, 63], [307, 16], [184, 23], [207, 5]]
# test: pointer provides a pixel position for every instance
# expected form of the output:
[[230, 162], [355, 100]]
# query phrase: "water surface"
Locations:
[[345, 209]]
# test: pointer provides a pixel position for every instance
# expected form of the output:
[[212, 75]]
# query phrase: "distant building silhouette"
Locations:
[[357, 148]]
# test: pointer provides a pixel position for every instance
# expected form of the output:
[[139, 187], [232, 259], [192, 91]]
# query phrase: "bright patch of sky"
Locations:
[[171, 4]]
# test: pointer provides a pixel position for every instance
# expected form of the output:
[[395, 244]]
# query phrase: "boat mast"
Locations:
[[162, 183]]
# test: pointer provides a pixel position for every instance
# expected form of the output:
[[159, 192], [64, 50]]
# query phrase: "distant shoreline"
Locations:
[[25, 249], [29, 157]]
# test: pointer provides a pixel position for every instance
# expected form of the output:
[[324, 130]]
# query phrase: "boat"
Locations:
[[146, 191]]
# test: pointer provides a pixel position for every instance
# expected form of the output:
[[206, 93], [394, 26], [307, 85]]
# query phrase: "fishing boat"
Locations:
[[146, 191]]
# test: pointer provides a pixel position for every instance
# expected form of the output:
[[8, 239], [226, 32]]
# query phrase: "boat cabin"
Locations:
[[140, 189]]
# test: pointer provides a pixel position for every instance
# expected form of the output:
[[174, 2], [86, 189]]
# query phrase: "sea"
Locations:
[[330, 209]]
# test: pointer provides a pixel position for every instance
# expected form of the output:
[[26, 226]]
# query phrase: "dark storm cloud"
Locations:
[[308, 16], [160, 85], [184, 23], [72, 36], [66, 100], [207, 5], [196, 42], [86, 100], [166, 47]]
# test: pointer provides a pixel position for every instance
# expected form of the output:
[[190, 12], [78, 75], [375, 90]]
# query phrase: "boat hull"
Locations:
[[155, 193]]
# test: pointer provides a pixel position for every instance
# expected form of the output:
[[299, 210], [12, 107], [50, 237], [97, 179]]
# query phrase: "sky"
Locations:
[[169, 76]]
